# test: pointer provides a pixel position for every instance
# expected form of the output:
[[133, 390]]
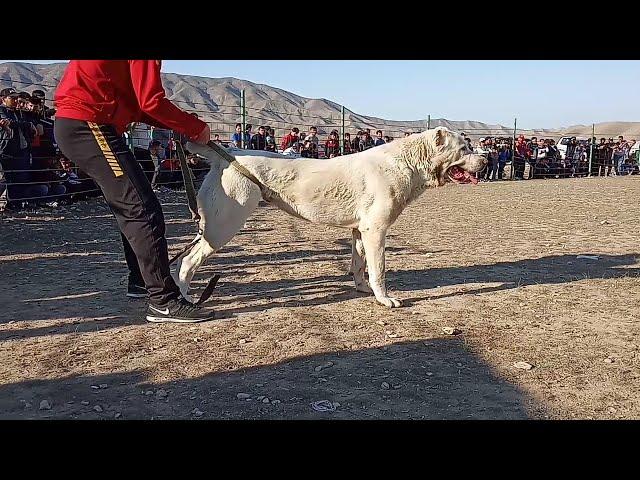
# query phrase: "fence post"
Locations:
[[513, 153], [342, 131], [428, 122], [243, 109], [592, 141]]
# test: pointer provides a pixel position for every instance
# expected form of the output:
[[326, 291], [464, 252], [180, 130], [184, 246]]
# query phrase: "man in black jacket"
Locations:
[[259, 140]]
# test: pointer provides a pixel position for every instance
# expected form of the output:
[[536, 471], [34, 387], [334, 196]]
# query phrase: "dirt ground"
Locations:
[[498, 261]]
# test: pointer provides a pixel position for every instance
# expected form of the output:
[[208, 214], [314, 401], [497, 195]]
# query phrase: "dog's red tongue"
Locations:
[[462, 176]]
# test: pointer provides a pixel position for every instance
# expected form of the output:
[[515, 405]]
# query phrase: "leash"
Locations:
[[187, 178]]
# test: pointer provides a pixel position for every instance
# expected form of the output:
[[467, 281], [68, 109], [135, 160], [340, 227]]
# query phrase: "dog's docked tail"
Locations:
[[214, 154]]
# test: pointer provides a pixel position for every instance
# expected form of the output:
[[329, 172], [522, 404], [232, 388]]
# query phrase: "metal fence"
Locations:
[[46, 180]]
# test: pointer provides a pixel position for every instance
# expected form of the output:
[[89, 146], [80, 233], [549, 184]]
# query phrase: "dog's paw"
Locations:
[[364, 288], [390, 302]]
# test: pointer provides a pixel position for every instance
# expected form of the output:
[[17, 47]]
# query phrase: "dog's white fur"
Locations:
[[364, 192]]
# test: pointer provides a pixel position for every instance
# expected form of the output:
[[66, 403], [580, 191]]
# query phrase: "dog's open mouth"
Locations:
[[459, 175]]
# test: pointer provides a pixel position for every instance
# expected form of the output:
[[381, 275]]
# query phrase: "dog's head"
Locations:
[[443, 156]]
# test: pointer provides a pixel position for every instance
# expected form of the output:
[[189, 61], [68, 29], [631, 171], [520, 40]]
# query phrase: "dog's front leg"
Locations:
[[358, 262], [373, 241], [189, 264]]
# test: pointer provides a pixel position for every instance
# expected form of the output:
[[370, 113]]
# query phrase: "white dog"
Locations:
[[364, 192]]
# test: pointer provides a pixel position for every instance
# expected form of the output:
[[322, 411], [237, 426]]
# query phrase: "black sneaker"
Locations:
[[136, 291], [178, 311]]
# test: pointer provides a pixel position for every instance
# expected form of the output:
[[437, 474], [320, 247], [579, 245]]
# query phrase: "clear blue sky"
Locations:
[[550, 93]]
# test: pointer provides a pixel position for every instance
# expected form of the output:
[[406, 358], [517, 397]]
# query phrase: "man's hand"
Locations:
[[204, 136]]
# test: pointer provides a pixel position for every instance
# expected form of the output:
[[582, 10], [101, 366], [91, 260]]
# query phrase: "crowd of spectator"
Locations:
[[34, 172], [305, 144], [156, 151], [31, 168], [573, 158]]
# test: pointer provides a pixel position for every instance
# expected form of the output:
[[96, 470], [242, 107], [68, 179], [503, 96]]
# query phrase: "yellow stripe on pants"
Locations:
[[106, 150]]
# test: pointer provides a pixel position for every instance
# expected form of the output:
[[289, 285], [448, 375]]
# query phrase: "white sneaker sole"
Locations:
[[153, 319]]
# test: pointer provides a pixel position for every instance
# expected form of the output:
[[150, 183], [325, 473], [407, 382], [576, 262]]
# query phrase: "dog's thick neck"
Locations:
[[420, 154]]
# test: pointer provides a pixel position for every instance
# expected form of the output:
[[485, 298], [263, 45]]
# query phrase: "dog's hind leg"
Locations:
[[358, 262], [373, 241], [189, 264]]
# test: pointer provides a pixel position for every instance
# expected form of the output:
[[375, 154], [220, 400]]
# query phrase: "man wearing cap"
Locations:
[[40, 95], [96, 100]]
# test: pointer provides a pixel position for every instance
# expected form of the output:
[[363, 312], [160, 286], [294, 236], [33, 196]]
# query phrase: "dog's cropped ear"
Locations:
[[441, 134]]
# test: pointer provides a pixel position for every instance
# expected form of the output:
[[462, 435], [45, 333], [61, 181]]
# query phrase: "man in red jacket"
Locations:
[[96, 100], [290, 138]]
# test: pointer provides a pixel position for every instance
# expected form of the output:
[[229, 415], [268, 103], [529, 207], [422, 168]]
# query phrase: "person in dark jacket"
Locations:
[[259, 140]]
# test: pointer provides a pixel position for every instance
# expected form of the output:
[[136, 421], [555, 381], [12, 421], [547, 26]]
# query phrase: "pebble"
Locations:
[[323, 366], [98, 409], [84, 402], [523, 365], [385, 385], [197, 412], [45, 405], [451, 331], [323, 406], [243, 396], [608, 360]]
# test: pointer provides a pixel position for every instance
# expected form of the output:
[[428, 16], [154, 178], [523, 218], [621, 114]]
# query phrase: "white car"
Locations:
[[564, 142]]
